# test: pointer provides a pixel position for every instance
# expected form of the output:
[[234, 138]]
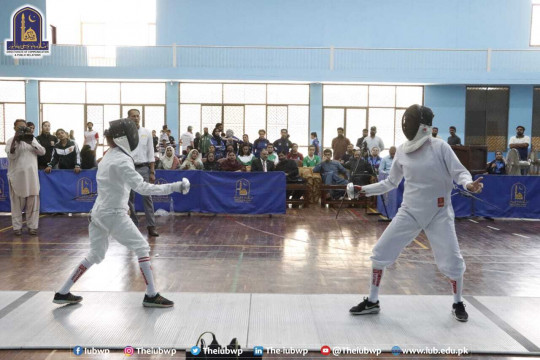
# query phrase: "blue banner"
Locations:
[[211, 192]]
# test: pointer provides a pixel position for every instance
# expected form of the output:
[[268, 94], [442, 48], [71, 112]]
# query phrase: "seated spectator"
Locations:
[[497, 166], [212, 149], [386, 163], [330, 170], [290, 168], [47, 140], [65, 154], [193, 161], [231, 163], [185, 153], [163, 146], [155, 139], [295, 155], [230, 148], [245, 141], [311, 159], [218, 143], [231, 140], [262, 164], [374, 159], [169, 161], [272, 156], [88, 158], [211, 163], [349, 154], [361, 170], [246, 157]]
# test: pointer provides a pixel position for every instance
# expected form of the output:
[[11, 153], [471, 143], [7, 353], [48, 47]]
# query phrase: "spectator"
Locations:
[[231, 140], [339, 144], [453, 139], [65, 154], [361, 171], [311, 159], [373, 140], [88, 158], [143, 157], [47, 140], [155, 140], [230, 163], [272, 156], [197, 141], [360, 140], [219, 126], [91, 138], [435, 132], [262, 164], [205, 142], [186, 139], [497, 166], [245, 141], [163, 135], [295, 155], [315, 142], [348, 155], [246, 157], [22, 151], [374, 159], [218, 143], [290, 168], [211, 163], [169, 161], [283, 144], [163, 146], [30, 125], [386, 163], [330, 170], [521, 143], [260, 144], [171, 139], [185, 153], [193, 161], [212, 150]]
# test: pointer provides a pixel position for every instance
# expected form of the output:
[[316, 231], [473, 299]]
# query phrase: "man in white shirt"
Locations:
[[374, 141], [91, 137], [143, 157], [386, 162], [22, 152], [520, 142], [187, 139], [435, 132]]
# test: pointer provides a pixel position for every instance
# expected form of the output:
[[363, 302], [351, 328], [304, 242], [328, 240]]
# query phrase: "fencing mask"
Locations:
[[416, 124], [125, 134]]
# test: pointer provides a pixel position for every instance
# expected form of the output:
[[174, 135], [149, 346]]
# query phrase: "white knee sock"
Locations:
[[376, 276], [457, 289], [75, 275], [146, 270]]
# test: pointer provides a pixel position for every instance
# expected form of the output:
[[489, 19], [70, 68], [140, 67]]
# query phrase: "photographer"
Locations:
[[22, 151]]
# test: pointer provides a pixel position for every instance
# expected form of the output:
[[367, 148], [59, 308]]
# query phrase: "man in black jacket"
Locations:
[[283, 143], [290, 168], [361, 170], [262, 164]]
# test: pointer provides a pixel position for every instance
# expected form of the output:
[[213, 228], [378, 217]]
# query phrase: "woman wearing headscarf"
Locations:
[[231, 164], [193, 161], [218, 143], [211, 164], [169, 161]]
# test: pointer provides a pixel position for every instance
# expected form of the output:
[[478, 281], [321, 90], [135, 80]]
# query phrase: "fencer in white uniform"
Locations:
[[116, 177], [429, 167]]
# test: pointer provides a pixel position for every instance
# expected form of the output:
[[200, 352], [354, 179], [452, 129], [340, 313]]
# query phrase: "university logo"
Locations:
[[85, 190], [161, 198], [3, 196], [27, 32], [242, 191], [518, 195]]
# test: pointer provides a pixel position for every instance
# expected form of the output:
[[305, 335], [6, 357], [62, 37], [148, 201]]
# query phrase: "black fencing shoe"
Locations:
[[365, 307], [157, 301], [458, 310], [68, 298]]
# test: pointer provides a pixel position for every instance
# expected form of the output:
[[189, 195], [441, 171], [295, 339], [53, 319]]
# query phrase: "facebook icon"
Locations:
[[78, 350], [258, 351]]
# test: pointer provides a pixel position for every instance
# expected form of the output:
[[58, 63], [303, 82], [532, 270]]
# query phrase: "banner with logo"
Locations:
[[211, 192], [243, 193]]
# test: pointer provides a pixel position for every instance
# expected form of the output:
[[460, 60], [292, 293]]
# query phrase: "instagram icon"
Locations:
[[129, 350]]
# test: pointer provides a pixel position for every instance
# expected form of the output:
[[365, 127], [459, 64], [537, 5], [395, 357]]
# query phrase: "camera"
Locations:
[[24, 134]]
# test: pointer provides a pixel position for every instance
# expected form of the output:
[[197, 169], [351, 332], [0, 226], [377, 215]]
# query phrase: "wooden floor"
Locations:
[[306, 251]]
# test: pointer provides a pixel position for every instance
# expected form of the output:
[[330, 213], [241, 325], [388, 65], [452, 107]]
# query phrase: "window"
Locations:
[[486, 117], [535, 23], [357, 107], [247, 108], [71, 105], [535, 131], [12, 107]]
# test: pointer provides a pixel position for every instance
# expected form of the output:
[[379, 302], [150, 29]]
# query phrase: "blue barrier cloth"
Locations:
[[211, 192]]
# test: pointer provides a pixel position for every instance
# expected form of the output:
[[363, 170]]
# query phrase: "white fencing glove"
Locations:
[[351, 188], [181, 186]]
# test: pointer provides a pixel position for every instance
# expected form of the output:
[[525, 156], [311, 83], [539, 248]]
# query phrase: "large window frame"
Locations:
[[7, 124]]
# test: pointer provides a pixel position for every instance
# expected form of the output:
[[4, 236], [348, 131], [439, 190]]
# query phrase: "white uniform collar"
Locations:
[[423, 134]]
